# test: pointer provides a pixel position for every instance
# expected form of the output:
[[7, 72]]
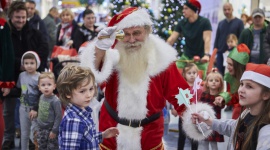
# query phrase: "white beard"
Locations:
[[133, 62]]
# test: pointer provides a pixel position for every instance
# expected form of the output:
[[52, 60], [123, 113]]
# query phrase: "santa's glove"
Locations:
[[108, 37]]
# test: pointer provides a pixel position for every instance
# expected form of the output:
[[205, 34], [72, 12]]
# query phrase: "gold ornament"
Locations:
[[127, 3], [146, 6], [170, 32]]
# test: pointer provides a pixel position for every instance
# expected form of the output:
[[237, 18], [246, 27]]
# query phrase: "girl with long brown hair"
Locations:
[[252, 129]]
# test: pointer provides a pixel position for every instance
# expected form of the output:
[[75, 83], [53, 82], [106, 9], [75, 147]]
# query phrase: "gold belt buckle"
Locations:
[[139, 123]]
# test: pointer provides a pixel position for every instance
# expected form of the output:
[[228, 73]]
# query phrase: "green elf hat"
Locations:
[[240, 54]]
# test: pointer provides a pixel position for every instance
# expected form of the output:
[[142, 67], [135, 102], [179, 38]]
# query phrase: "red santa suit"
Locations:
[[137, 101]]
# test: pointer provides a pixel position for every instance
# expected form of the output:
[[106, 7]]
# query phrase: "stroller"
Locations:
[[58, 64], [60, 57]]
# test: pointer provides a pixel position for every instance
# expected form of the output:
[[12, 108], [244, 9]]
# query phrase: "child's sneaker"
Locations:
[[18, 133]]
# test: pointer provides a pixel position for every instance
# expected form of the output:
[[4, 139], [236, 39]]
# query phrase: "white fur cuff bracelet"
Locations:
[[194, 131]]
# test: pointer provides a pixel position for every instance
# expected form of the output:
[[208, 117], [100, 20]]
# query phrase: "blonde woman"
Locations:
[[67, 28]]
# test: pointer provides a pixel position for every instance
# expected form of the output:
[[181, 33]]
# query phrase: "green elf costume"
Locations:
[[6, 65], [6, 55], [241, 55]]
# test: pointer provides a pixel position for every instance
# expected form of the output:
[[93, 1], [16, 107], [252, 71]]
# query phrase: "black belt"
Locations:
[[128, 122]]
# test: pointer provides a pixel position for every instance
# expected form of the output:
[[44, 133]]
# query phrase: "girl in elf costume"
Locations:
[[237, 60], [6, 66]]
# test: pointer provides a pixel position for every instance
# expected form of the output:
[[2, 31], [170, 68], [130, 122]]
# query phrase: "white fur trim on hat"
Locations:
[[139, 17], [257, 77], [191, 129], [36, 56]]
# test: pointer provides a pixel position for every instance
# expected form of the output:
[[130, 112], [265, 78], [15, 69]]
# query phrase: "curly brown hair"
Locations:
[[16, 6], [71, 77]]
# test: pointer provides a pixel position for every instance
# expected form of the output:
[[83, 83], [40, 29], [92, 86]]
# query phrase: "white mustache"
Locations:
[[128, 45]]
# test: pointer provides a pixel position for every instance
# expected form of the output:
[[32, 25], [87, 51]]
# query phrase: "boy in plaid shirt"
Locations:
[[76, 87]]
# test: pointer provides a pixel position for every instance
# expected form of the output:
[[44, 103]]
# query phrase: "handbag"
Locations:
[[60, 50]]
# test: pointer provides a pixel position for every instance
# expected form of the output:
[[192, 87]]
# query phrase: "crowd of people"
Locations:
[[139, 76]]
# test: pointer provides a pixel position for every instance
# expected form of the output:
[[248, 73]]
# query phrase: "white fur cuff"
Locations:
[[87, 59], [193, 130]]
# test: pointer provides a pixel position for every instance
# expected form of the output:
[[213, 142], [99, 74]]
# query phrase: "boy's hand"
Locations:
[[52, 135], [32, 114], [110, 132]]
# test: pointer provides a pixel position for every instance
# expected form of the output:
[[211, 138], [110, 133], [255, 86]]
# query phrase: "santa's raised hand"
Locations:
[[106, 38]]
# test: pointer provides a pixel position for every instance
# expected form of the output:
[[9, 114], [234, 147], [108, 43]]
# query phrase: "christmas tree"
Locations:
[[119, 5], [170, 15]]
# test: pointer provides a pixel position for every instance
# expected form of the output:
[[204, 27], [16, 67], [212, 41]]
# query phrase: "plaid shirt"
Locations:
[[77, 130]]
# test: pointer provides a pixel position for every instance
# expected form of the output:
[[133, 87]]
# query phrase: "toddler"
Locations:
[[49, 113]]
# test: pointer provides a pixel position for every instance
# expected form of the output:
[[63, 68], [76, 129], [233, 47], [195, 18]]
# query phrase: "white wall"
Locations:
[[211, 10], [239, 5]]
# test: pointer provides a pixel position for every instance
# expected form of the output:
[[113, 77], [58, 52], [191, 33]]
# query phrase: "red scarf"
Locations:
[[65, 31]]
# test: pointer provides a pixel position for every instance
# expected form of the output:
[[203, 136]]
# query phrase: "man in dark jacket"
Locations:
[[229, 25], [253, 37], [266, 44], [50, 23], [24, 38], [34, 20]]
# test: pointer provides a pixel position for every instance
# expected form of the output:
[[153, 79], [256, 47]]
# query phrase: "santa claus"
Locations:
[[140, 75]]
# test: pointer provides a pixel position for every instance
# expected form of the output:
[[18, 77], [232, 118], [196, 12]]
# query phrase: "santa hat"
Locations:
[[259, 73], [3, 4], [194, 5], [240, 54], [131, 17], [36, 56]]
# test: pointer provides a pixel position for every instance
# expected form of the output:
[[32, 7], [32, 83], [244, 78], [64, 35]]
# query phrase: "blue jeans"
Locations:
[[219, 63], [17, 114], [9, 113]]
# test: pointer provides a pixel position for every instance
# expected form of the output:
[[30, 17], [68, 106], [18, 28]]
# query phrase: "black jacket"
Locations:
[[266, 44], [37, 23], [25, 40], [82, 35]]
